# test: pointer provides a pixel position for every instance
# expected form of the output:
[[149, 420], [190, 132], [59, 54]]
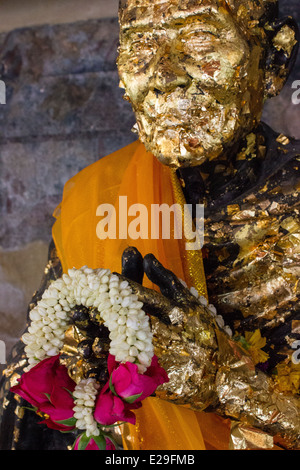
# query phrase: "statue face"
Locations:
[[193, 76]]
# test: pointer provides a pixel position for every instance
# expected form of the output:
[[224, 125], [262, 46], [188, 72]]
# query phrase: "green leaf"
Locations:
[[34, 409], [119, 423], [69, 391], [133, 398], [67, 422], [65, 432], [74, 444], [48, 396], [100, 441], [112, 388], [108, 435], [83, 441]]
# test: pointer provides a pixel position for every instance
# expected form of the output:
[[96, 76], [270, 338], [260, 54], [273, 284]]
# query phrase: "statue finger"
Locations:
[[132, 265], [169, 284]]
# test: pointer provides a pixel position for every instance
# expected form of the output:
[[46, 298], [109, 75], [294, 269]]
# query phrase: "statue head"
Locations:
[[197, 72]]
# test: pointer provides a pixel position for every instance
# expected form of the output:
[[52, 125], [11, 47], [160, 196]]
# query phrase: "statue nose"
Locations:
[[169, 75]]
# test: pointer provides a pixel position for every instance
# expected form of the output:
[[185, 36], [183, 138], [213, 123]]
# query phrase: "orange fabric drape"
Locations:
[[136, 174]]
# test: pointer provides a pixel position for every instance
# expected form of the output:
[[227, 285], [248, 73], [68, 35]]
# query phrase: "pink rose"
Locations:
[[109, 445], [128, 383], [47, 387], [110, 409], [92, 445]]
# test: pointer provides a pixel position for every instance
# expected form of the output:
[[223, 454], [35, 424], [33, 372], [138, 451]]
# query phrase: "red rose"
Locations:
[[110, 409], [109, 445], [47, 387], [128, 383], [92, 445]]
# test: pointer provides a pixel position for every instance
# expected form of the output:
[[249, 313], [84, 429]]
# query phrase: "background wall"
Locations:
[[64, 111], [280, 112], [20, 13]]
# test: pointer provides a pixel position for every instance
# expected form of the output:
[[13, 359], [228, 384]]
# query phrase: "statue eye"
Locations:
[[143, 44], [138, 53], [198, 42]]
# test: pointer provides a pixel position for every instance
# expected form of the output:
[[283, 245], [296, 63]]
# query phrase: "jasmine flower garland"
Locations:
[[130, 333], [131, 359]]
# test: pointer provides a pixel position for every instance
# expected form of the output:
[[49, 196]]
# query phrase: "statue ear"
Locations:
[[283, 38]]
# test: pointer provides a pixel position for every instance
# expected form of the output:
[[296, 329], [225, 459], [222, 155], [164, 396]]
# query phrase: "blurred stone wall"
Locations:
[[280, 112], [64, 111]]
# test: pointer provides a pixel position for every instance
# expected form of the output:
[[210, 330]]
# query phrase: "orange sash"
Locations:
[[136, 174]]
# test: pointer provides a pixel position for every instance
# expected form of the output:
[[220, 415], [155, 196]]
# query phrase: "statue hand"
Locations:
[[184, 331]]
